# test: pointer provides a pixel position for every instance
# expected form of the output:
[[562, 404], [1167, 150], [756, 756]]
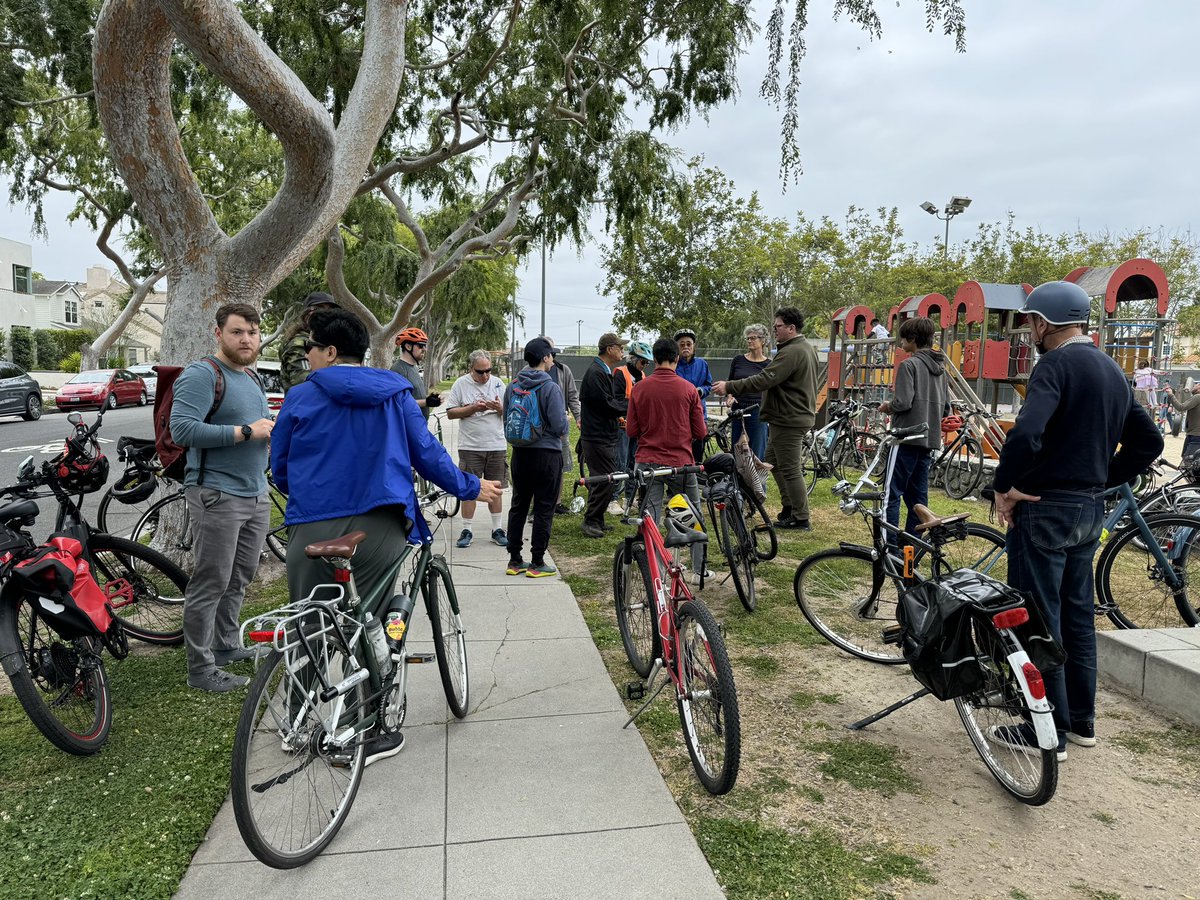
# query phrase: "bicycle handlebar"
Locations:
[[640, 474], [741, 412], [909, 431]]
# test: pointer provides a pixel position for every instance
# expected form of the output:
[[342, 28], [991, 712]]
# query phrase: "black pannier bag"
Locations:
[[937, 638]]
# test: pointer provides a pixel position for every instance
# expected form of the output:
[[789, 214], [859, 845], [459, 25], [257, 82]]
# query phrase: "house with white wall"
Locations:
[[17, 305]]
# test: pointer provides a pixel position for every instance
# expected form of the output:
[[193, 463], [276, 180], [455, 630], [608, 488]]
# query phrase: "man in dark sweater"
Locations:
[[601, 409], [1056, 462], [919, 398]]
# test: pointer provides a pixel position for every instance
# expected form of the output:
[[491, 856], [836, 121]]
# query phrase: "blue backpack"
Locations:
[[523, 418]]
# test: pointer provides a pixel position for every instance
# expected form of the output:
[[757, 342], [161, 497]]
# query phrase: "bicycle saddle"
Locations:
[[340, 547], [930, 521], [678, 536]]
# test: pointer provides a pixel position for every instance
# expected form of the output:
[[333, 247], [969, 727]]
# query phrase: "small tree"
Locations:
[[49, 350], [22, 347]]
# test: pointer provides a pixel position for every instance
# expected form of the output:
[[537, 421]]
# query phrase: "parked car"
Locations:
[[102, 388], [145, 371], [19, 394], [268, 374]]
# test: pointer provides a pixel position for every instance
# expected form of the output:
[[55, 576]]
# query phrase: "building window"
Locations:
[[71, 311], [22, 280]]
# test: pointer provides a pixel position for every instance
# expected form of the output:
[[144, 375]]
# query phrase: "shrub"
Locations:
[[70, 362], [3, 345], [73, 340], [22, 347], [49, 350]]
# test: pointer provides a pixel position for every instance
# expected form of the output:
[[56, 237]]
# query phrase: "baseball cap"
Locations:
[[608, 339], [319, 298], [537, 350], [550, 341]]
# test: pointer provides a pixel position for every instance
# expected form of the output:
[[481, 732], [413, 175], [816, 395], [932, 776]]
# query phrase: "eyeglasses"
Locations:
[[482, 371], [310, 345], [780, 325]]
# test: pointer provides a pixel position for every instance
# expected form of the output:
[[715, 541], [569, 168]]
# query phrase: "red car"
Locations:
[[102, 388]]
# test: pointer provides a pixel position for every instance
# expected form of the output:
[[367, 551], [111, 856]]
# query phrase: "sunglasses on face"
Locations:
[[482, 371], [311, 345]]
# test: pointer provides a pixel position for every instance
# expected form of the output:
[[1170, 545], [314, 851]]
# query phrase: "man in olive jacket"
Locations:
[[789, 388]]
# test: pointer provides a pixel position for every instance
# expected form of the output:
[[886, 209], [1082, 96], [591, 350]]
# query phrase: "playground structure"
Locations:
[[988, 342]]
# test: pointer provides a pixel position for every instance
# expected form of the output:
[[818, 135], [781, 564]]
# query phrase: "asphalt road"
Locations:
[[43, 440]]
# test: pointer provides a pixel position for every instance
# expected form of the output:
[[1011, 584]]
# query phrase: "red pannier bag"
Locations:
[[69, 598]]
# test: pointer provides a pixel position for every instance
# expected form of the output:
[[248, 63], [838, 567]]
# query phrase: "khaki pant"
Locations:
[[784, 448]]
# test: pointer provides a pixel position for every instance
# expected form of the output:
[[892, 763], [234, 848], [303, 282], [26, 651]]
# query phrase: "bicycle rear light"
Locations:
[[1037, 687], [1011, 618], [341, 576], [265, 637]]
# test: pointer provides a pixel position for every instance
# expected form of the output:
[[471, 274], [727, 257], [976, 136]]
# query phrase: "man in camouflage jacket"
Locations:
[[293, 364]]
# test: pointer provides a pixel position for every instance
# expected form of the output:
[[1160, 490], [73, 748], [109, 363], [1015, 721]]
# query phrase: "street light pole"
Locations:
[[543, 331], [579, 332], [956, 206]]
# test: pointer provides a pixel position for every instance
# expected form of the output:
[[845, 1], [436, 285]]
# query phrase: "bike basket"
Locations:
[[936, 640], [68, 597]]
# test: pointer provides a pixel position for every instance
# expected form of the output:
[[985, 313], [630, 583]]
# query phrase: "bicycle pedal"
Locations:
[[419, 658], [635, 690], [892, 633]]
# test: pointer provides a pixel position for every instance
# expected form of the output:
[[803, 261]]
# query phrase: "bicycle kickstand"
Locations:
[[639, 689], [883, 713]]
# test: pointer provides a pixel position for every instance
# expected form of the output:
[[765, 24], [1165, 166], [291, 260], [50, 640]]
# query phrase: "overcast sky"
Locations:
[[1074, 113]]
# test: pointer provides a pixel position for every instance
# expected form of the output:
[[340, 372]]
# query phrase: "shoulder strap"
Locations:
[[218, 398]]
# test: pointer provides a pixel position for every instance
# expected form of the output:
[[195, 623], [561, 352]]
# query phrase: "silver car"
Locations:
[[149, 376], [19, 394]]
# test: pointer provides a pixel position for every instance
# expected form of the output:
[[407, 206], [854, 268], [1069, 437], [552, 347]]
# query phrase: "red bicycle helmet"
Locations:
[[952, 423], [412, 336], [83, 474]]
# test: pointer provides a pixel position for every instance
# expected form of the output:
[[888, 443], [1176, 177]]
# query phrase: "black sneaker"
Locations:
[[1083, 735], [591, 530], [384, 745], [784, 515], [561, 509], [794, 524]]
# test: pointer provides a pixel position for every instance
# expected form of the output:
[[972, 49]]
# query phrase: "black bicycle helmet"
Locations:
[[134, 486], [1059, 303]]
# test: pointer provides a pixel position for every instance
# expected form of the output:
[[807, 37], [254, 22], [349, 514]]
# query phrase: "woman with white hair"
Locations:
[[753, 361]]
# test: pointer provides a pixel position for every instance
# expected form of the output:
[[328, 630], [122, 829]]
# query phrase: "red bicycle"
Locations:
[[665, 629]]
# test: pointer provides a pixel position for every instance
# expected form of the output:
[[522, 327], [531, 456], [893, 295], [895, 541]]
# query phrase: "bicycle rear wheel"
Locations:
[[167, 528], [852, 454], [707, 699], [997, 708], [292, 787], [60, 683], [449, 638], [116, 517], [277, 536], [983, 549], [144, 587], [634, 601], [762, 530], [1132, 586], [964, 468], [848, 599], [738, 546]]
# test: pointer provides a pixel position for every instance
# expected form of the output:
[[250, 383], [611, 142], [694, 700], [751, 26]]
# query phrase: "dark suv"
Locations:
[[19, 394]]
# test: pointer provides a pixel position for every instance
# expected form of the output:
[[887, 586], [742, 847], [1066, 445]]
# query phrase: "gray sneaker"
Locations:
[[224, 657], [217, 681]]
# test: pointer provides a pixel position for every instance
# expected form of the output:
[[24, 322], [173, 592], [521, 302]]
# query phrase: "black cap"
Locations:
[[537, 350], [319, 298]]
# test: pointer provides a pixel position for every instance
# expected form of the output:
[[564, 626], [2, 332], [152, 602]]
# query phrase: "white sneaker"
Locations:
[[616, 509]]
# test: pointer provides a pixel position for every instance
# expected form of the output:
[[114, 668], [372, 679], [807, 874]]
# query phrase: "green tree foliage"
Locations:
[[70, 362], [47, 348], [22, 347]]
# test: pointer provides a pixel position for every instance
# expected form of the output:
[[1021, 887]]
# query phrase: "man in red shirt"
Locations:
[[665, 415]]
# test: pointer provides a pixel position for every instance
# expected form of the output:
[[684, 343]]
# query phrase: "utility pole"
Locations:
[[543, 331], [579, 333], [956, 206]]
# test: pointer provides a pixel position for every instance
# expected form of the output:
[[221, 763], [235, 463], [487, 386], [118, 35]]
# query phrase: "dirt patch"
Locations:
[[1125, 821]]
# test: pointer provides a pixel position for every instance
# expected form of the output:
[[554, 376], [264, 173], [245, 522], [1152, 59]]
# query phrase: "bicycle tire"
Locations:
[[848, 599], [69, 703], [738, 547], [810, 463], [270, 749], [116, 517], [444, 505], [633, 599], [1030, 775], [852, 454], [277, 536], [964, 470], [1130, 585], [145, 588], [174, 541], [983, 549], [449, 637], [763, 530], [707, 698]]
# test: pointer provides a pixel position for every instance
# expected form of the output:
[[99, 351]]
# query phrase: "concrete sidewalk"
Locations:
[[538, 792]]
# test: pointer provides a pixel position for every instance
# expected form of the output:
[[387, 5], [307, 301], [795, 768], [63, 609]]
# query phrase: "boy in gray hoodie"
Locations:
[[921, 396]]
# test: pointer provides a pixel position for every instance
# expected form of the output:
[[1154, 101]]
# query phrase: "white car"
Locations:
[[149, 376], [268, 374]]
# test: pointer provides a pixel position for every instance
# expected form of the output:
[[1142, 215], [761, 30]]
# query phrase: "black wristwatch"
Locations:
[[247, 432]]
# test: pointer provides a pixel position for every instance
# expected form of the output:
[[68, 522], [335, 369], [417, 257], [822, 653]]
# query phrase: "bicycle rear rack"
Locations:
[[314, 619]]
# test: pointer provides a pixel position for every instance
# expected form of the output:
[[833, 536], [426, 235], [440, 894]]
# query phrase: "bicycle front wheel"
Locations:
[[707, 699], [983, 549], [1133, 586], [61, 684], [167, 528], [998, 709], [114, 516], [144, 587], [853, 452], [849, 599], [277, 536], [964, 469], [760, 526], [292, 786], [738, 547], [810, 461], [634, 601], [449, 638]]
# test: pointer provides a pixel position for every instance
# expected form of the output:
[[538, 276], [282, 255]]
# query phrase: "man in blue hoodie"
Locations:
[[694, 370], [537, 467], [343, 450]]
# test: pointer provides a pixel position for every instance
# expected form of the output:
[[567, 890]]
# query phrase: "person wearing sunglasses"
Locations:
[[413, 344], [477, 401]]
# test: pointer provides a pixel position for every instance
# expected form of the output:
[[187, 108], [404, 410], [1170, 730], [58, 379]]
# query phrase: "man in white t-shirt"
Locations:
[[477, 402]]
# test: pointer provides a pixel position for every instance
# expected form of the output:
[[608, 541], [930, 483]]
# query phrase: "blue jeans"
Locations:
[[756, 433], [1191, 443], [1050, 548], [908, 480]]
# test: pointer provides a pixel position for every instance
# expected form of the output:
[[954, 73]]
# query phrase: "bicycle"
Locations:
[[142, 484], [429, 495], [958, 468], [300, 745], [837, 449], [687, 644]]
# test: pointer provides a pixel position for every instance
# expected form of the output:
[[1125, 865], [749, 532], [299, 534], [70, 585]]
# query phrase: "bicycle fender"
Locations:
[[1043, 718], [871, 551]]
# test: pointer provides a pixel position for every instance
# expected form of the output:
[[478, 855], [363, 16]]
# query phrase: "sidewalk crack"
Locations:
[[504, 640]]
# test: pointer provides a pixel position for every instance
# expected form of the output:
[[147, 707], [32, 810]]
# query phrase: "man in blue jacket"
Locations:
[[695, 371], [343, 450], [536, 467]]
